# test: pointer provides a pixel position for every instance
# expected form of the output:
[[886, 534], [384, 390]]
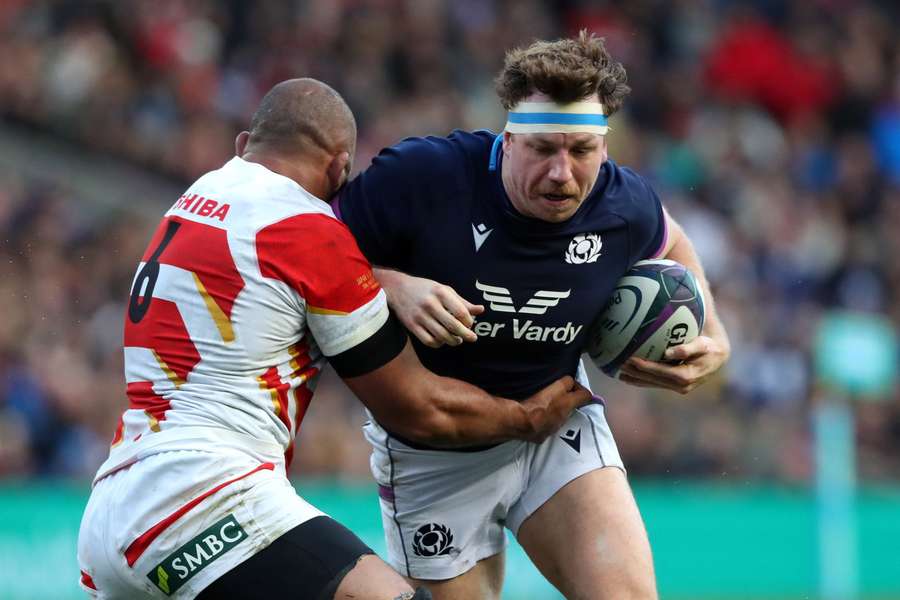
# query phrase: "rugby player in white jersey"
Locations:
[[247, 288]]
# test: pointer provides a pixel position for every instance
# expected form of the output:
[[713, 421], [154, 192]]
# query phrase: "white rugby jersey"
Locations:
[[247, 285]]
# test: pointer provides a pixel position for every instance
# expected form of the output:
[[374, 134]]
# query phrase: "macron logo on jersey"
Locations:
[[501, 300], [480, 232]]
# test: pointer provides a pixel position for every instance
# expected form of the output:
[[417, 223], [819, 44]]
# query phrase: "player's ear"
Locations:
[[338, 170], [240, 143], [507, 140]]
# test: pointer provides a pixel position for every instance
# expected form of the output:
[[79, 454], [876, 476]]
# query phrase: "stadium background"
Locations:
[[771, 129]]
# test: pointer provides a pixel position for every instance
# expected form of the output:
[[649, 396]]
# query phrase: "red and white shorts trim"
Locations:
[[138, 517]]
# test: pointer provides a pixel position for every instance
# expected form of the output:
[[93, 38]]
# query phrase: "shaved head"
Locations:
[[302, 115]]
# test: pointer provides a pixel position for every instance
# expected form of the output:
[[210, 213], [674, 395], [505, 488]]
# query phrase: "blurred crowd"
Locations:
[[771, 129]]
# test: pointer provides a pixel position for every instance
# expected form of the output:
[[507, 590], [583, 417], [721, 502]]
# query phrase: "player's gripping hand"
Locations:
[[432, 312], [688, 366], [548, 409]]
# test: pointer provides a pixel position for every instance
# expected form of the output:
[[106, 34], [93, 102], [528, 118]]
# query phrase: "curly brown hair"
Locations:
[[566, 70]]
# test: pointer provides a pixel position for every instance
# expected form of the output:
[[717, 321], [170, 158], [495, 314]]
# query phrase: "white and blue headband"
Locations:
[[550, 117]]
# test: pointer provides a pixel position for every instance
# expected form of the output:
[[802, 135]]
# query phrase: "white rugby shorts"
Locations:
[[443, 511], [170, 524]]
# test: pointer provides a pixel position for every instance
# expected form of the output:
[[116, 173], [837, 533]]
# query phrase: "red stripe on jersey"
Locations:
[[138, 546], [279, 389], [300, 362], [203, 250], [87, 582], [120, 432], [302, 397], [163, 330], [318, 257], [142, 397]]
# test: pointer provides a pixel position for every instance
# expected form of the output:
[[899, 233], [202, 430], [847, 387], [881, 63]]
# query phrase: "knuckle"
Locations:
[[442, 291], [685, 377]]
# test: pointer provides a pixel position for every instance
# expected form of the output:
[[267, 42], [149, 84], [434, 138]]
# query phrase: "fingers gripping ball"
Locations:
[[656, 305]]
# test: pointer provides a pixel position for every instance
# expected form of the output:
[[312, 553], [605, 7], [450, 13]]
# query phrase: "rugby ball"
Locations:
[[656, 305]]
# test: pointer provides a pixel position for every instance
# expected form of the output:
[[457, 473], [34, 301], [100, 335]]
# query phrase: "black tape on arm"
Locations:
[[375, 351]]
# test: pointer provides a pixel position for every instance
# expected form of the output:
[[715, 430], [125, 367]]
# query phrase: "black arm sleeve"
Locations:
[[375, 351]]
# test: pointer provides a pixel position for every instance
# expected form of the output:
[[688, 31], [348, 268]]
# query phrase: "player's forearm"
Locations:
[[461, 415], [411, 401], [451, 413]]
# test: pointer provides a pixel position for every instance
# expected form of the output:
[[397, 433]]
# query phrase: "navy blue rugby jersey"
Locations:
[[434, 208]]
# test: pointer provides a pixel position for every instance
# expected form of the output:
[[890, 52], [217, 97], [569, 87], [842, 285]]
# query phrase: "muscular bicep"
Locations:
[[384, 372], [392, 392]]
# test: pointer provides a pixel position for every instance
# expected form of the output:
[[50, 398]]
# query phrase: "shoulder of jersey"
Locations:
[[479, 140], [257, 195], [435, 153], [628, 178], [624, 187]]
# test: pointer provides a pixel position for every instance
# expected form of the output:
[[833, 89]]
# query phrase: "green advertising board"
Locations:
[[710, 542]]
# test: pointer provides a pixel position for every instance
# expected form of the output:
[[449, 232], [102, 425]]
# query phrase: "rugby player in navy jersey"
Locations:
[[516, 240]]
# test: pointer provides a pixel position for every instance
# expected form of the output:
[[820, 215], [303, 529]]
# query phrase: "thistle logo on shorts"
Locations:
[[433, 540], [192, 557]]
